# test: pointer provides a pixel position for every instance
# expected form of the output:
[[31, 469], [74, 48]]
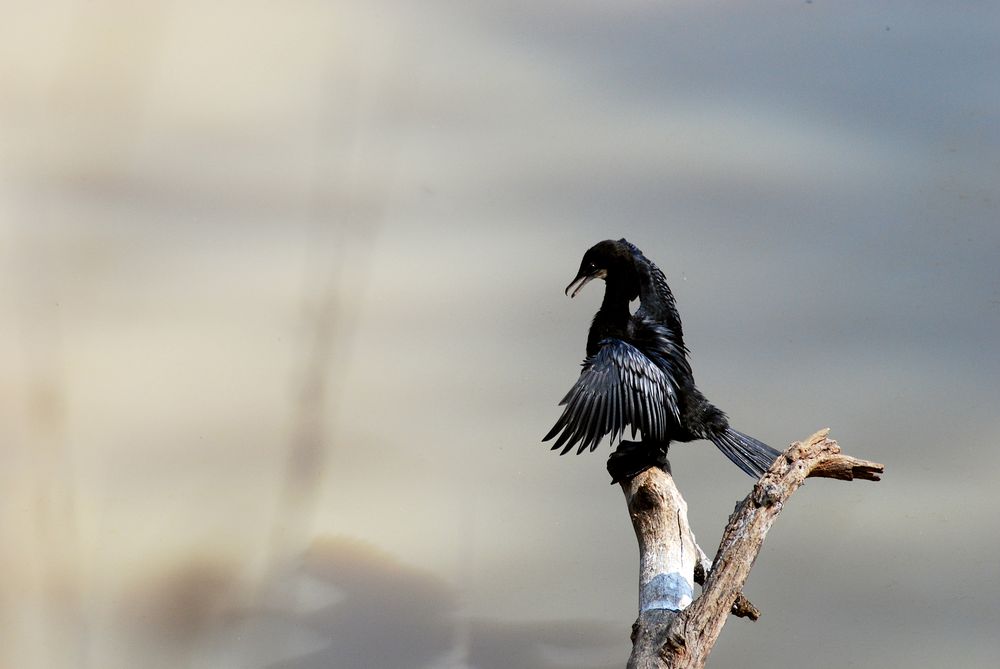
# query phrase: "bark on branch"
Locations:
[[672, 630]]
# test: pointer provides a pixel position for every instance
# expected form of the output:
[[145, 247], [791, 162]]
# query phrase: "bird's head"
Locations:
[[613, 261]]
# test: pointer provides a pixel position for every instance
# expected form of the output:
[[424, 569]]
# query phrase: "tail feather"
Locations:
[[752, 456]]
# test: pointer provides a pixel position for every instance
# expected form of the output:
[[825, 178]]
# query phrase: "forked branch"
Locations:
[[671, 633]]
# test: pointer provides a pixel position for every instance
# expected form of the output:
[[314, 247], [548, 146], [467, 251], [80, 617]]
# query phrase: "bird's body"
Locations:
[[637, 372]]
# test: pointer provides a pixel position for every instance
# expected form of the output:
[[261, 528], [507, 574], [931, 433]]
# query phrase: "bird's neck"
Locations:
[[612, 318], [614, 308]]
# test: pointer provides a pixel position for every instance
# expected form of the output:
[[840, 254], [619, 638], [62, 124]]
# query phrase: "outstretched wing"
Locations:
[[619, 386], [656, 299]]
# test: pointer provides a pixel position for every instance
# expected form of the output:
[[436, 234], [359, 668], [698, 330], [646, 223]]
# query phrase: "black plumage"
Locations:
[[637, 375]]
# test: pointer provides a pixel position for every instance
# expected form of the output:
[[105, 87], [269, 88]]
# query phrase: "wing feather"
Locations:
[[619, 387]]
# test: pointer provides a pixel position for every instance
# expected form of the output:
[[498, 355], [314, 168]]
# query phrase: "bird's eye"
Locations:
[[591, 266]]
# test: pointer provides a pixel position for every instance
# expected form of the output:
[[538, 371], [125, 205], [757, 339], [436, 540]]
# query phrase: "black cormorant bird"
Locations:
[[637, 373]]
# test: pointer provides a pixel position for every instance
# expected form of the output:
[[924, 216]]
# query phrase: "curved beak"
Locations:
[[582, 279]]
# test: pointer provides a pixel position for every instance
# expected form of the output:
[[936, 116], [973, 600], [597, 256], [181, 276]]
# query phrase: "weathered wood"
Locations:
[[742, 607], [668, 632], [670, 562], [668, 555]]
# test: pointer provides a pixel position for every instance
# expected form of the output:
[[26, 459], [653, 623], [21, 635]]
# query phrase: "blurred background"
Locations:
[[281, 293]]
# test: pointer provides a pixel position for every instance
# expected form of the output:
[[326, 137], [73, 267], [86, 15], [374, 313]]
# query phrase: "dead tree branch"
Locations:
[[672, 630]]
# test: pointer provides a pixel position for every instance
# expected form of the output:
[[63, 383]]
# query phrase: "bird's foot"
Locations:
[[631, 458]]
